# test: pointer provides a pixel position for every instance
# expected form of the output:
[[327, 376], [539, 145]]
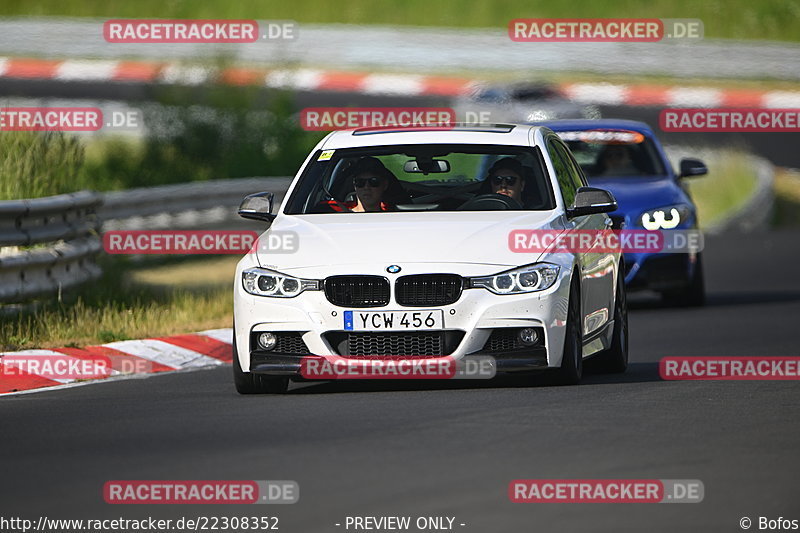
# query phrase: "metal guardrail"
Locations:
[[201, 205], [66, 228]]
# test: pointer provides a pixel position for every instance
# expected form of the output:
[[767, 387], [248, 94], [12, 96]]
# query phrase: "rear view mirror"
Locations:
[[692, 167], [429, 166], [590, 201], [258, 206]]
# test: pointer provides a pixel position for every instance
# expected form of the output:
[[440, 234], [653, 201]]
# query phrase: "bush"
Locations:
[[192, 134], [215, 133]]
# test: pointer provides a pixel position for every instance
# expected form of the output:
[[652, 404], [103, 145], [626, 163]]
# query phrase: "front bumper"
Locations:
[[289, 365], [475, 316], [659, 271]]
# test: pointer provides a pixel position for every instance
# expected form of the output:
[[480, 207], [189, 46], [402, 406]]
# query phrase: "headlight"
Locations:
[[529, 278], [666, 217], [263, 282]]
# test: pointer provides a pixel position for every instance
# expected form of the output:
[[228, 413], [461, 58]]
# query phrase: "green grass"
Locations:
[[130, 302], [736, 19], [730, 182], [39, 164]]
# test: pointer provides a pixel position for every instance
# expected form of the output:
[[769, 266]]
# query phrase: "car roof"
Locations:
[[595, 124], [502, 134]]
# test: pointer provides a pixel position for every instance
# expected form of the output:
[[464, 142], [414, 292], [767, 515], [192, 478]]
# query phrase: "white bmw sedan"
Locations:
[[398, 243]]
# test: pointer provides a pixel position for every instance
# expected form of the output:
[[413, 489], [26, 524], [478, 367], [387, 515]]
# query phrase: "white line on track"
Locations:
[[223, 335], [165, 353]]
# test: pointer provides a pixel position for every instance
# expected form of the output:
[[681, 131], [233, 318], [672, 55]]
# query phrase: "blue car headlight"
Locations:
[[531, 278], [669, 217], [263, 282]]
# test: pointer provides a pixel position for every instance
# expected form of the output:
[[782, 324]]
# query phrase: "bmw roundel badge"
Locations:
[[393, 269]]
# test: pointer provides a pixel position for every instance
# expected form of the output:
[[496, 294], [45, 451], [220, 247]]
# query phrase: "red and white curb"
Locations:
[[174, 73], [379, 84], [665, 96], [132, 358]]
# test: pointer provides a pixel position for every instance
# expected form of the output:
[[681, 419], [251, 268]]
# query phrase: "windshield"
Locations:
[[423, 178], [614, 153]]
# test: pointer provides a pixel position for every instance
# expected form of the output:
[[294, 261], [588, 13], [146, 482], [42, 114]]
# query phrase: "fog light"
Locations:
[[528, 336], [267, 341]]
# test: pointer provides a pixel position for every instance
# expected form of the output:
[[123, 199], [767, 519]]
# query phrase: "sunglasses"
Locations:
[[374, 181], [508, 180]]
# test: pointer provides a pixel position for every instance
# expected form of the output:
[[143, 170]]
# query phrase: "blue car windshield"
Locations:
[[614, 153]]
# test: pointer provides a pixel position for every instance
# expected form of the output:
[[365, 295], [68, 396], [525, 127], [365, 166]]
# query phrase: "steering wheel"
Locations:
[[490, 202]]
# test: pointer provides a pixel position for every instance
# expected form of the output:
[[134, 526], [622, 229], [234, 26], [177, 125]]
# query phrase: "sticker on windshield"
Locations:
[[603, 136], [325, 155]]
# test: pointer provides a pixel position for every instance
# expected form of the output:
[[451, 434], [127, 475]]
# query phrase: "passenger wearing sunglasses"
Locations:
[[506, 177]]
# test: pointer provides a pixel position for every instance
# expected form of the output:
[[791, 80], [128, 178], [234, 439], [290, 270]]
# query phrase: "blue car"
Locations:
[[626, 158]]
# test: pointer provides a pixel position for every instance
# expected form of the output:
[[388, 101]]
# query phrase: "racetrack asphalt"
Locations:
[[423, 449]]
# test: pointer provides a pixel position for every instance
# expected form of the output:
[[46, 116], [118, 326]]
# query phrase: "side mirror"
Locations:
[[590, 201], [258, 207], [692, 167]]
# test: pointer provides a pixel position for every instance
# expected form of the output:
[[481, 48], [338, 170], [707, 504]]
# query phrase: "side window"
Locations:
[[564, 174], [577, 174]]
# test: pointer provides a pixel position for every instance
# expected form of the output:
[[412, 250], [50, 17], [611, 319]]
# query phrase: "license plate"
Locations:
[[394, 320]]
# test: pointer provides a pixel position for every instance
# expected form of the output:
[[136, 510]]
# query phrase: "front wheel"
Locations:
[[249, 383], [694, 294], [614, 360], [571, 370]]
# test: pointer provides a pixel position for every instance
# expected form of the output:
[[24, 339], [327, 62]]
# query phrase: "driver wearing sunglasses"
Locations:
[[370, 179], [369, 192], [505, 177]]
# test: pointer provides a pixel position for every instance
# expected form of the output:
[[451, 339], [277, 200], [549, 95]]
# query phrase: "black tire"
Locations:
[[571, 370], [614, 360], [694, 294], [249, 383]]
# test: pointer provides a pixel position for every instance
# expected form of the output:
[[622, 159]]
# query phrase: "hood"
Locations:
[[636, 194], [330, 242]]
